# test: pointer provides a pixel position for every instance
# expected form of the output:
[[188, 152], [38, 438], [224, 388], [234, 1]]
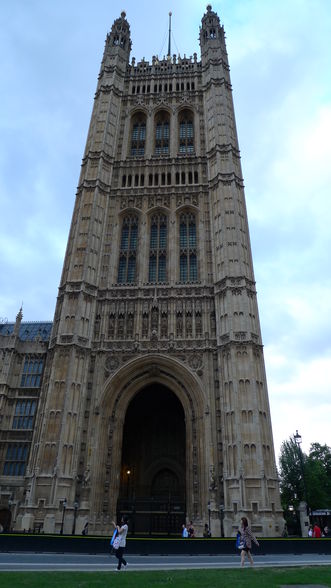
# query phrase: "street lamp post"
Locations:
[[76, 505], [64, 504], [222, 519], [298, 441], [10, 503]]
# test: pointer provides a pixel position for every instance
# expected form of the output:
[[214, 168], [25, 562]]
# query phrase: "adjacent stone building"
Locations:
[[154, 399]]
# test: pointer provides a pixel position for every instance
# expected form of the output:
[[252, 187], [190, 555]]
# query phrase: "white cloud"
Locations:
[[280, 54], [302, 399]]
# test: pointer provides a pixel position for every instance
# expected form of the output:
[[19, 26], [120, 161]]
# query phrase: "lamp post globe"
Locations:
[[298, 440]]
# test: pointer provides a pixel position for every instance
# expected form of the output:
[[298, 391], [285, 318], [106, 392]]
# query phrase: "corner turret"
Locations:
[[211, 35], [118, 42]]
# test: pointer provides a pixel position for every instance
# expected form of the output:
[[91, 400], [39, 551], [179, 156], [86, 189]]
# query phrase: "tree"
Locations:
[[291, 482], [309, 479], [318, 476]]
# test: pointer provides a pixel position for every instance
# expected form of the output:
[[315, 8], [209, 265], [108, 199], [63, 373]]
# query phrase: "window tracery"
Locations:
[[158, 249], [32, 372], [162, 133], [186, 133], [24, 414], [128, 250], [138, 135], [188, 248], [16, 459]]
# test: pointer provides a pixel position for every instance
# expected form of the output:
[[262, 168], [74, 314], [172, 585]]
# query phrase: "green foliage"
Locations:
[[318, 476], [304, 477], [291, 482]]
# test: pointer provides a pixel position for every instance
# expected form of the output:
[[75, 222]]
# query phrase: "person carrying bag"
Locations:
[[245, 542], [118, 542]]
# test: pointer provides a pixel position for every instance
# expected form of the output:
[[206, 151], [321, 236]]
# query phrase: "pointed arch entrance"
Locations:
[[137, 383], [153, 466]]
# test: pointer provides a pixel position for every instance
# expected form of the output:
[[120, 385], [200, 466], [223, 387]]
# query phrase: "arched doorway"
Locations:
[[5, 520], [153, 476]]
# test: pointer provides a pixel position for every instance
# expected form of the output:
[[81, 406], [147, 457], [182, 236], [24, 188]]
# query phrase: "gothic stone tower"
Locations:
[[154, 399]]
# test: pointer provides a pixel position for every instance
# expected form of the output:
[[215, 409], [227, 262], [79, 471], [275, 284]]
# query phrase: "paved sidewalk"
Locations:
[[107, 562]]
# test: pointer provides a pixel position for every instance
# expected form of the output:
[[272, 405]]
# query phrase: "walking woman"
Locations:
[[246, 537], [122, 531]]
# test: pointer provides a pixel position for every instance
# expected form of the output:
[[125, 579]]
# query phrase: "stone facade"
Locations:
[[154, 395]]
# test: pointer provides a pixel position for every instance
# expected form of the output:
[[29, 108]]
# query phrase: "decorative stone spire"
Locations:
[[19, 317]]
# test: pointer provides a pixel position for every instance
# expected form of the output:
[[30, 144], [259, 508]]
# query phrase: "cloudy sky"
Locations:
[[280, 58]]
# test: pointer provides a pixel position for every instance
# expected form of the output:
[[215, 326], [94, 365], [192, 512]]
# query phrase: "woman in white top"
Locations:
[[122, 531]]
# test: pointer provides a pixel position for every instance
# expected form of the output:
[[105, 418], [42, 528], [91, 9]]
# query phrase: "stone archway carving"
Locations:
[[114, 399]]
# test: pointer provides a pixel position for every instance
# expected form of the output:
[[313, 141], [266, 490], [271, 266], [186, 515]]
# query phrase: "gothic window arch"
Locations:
[[128, 250], [138, 134], [186, 132], [162, 133], [157, 271], [25, 411], [16, 459], [32, 372], [188, 266]]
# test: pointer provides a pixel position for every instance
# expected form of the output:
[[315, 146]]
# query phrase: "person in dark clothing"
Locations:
[[122, 531]]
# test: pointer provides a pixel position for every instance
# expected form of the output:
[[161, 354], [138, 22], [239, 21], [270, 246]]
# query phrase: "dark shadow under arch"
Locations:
[[153, 468]]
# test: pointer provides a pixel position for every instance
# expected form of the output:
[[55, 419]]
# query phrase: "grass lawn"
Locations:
[[246, 578]]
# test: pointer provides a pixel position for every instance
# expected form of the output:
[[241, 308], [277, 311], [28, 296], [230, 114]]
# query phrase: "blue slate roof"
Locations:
[[29, 331]]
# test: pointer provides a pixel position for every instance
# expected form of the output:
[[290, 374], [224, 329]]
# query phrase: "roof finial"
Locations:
[[169, 40], [19, 316], [18, 321]]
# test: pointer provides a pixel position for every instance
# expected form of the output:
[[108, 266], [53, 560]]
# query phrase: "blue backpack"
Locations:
[[240, 542], [113, 537]]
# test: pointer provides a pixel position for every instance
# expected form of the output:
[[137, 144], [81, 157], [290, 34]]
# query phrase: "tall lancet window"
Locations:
[[186, 133], [188, 248], [158, 249], [128, 250], [162, 133], [138, 134]]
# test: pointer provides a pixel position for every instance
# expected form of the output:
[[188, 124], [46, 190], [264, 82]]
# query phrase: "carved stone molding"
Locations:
[[111, 363], [131, 201], [195, 361]]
